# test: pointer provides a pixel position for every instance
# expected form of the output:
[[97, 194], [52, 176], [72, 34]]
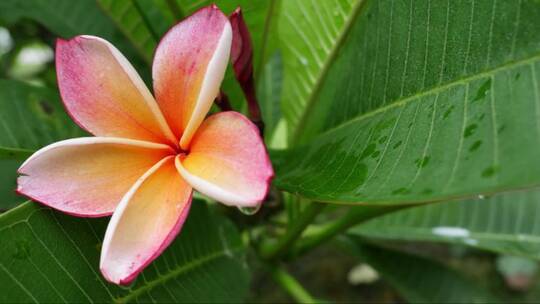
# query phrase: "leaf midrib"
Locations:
[[266, 33], [174, 273], [355, 12], [433, 90]]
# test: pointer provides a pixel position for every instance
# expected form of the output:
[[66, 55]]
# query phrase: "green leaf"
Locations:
[[506, 223], [30, 118], [269, 93], [419, 279], [311, 35], [426, 101], [51, 257], [135, 24], [66, 18]]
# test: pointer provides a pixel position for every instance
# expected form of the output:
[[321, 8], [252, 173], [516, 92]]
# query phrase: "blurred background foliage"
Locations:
[[433, 264]]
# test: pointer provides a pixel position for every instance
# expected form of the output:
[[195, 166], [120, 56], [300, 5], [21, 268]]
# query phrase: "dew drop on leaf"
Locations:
[[490, 171], [475, 145], [483, 90], [470, 130], [422, 162], [447, 112]]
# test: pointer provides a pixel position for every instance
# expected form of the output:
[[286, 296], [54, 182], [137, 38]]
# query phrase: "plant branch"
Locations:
[[355, 216], [290, 284], [295, 230]]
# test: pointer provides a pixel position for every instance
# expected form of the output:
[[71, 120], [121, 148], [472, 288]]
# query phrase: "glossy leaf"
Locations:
[[506, 223], [419, 279], [420, 107], [133, 20], [310, 37], [51, 257], [269, 93], [30, 118]]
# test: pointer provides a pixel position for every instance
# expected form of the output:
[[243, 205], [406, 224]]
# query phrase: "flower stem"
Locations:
[[290, 285], [355, 216], [295, 230]]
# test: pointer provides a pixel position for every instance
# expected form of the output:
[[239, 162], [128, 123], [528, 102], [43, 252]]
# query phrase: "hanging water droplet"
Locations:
[[250, 210]]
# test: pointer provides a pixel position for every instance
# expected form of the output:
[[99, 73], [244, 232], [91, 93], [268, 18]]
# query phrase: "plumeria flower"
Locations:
[[147, 156]]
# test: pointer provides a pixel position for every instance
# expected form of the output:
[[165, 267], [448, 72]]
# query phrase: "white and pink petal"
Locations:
[[87, 176], [228, 161], [146, 221], [104, 94], [188, 68]]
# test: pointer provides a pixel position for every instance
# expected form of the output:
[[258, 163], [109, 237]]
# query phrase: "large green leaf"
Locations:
[[269, 93], [427, 100], [48, 257], [30, 118], [419, 279], [140, 21], [505, 223], [311, 35], [66, 18]]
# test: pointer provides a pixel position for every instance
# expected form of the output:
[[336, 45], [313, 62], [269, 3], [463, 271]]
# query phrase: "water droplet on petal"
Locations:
[[250, 210]]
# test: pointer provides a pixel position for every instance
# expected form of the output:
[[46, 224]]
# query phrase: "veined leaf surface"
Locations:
[[506, 223], [31, 117], [427, 101], [51, 257]]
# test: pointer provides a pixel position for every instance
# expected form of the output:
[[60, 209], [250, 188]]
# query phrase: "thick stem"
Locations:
[[290, 285], [295, 230], [354, 217]]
